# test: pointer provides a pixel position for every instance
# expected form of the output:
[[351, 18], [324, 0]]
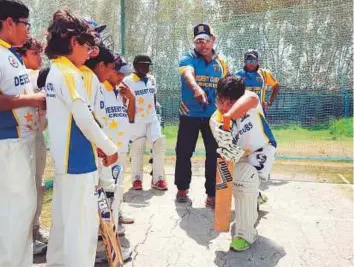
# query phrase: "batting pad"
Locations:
[[245, 192], [137, 156]]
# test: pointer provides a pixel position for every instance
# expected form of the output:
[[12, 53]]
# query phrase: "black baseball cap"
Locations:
[[251, 53], [144, 59], [202, 31]]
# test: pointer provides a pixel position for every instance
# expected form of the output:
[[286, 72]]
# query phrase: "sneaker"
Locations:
[[137, 185], [126, 254], [121, 230], [40, 234], [182, 196], [210, 202], [122, 219], [239, 244], [159, 185], [39, 247]]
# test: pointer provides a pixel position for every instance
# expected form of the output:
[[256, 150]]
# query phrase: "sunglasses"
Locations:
[[254, 60], [201, 41]]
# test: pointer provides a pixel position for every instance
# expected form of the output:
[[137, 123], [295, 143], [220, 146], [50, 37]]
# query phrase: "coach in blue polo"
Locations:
[[200, 70]]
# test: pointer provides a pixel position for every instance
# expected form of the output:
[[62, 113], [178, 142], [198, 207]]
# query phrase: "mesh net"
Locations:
[[307, 45]]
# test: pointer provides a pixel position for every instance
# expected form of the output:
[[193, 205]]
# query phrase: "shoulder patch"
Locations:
[[13, 62]]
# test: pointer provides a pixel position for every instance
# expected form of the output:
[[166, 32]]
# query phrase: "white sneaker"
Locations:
[[121, 230], [39, 247], [126, 253]]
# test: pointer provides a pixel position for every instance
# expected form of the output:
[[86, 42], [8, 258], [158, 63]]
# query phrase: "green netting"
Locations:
[[306, 44]]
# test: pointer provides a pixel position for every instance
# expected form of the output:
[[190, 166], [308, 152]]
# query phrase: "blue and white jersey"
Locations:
[[207, 76], [14, 80], [72, 152], [111, 112], [257, 81]]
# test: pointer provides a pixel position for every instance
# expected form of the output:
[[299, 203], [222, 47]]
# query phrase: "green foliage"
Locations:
[[341, 128]]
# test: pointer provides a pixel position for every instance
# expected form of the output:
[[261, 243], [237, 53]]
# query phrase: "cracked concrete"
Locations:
[[303, 224]]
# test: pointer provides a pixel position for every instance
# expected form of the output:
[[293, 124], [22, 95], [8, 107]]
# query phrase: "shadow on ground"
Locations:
[[139, 198], [198, 223], [263, 253]]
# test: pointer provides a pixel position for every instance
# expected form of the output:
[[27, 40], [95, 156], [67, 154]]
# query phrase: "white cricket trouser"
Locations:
[[41, 155], [139, 131], [17, 201], [73, 235], [151, 130], [108, 183]]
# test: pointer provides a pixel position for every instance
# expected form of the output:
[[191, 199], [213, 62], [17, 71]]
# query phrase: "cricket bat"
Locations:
[[223, 195], [108, 231]]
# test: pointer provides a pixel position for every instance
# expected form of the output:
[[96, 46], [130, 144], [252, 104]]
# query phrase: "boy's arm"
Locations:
[[246, 102], [9, 102], [128, 93]]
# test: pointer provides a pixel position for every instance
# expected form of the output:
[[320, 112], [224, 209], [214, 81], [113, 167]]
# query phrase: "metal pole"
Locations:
[[122, 26]]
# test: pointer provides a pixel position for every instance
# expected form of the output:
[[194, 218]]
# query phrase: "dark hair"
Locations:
[[105, 55], [12, 9], [231, 86], [32, 44], [42, 77], [60, 31]]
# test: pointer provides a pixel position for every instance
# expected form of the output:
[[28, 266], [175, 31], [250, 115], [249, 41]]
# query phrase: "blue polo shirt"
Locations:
[[257, 81], [207, 76]]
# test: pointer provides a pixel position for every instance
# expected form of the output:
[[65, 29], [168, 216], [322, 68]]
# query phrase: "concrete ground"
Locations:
[[304, 224]]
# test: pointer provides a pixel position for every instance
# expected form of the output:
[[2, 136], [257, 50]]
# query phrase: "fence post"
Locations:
[[344, 90], [122, 26]]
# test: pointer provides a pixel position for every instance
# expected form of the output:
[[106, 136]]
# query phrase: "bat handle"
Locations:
[[226, 122]]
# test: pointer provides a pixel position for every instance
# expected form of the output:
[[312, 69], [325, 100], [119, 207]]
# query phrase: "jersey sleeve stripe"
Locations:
[[182, 69]]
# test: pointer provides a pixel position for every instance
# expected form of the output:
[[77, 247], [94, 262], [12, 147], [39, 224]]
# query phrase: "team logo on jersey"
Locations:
[[13, 62], [259, 79], [217, 67]]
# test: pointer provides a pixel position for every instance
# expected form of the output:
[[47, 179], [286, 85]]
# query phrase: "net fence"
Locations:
[[307, 45]]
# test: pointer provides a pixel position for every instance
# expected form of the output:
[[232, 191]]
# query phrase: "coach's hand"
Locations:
[[201, 96], [109, 160]]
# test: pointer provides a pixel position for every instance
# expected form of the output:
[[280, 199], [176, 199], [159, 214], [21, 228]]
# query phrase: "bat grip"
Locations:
[[226, 123]]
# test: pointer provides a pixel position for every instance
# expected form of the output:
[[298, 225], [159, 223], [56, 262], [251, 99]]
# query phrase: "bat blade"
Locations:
[[223, 194]]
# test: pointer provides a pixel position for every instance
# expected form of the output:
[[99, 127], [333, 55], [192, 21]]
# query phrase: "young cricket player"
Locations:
[[74, 136], [251, 133], [18, 121], [31, 55], [147, 126], [111, 112], [119, 105]]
